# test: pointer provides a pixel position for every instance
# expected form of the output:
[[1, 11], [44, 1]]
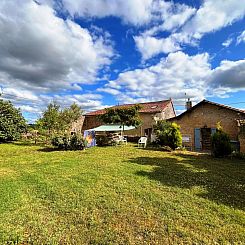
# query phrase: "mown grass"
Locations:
[[119, 195]]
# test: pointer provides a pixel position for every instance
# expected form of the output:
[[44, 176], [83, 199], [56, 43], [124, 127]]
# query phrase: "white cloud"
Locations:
[[34, 105], [241, 38], [210, 17], [43, 54], [167, 15], [86, 101], [178, 74], [227, 42], [170, 17], [171, 77], [21, 94], [30, 109], [230, 74], [151, 46], [109, 91], [135, 12], [38, 49], [177, 17], [214, 15]]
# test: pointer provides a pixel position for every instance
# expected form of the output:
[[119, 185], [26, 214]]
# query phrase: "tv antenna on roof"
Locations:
[[186, 97]]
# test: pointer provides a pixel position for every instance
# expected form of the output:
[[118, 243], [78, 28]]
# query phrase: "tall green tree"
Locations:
[[70, 115], [50, 119], [125, 116], [12, 123], [54, 119]]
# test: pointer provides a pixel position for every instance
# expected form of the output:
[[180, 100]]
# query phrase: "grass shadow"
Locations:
[[53, 149], [27, 143], [150, 148], [49, 149], [222, 179]]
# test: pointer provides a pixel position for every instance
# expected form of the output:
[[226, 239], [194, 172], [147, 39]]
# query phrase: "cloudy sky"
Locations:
[[104, 52]]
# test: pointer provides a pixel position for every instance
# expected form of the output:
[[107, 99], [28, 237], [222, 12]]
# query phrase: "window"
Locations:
[[186, 139], [242, 128], [148, 132]]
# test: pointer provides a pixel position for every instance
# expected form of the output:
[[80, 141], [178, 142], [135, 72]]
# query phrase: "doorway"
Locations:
[[206, 139], [148, 132]]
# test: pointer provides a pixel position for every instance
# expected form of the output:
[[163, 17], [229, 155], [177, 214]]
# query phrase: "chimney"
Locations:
[[188, 104]]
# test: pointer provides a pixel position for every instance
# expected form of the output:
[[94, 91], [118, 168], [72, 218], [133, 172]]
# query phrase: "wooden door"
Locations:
[[206, 139]]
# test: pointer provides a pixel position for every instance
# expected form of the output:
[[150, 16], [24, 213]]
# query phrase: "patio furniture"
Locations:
[[119, 140], [123, 139], [142, 142]]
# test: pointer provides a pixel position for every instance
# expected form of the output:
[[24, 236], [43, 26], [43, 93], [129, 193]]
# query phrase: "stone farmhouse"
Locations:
[[149, 113], [199, 122]]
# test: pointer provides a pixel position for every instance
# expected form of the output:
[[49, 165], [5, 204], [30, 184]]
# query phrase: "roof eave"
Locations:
[[208, 102]]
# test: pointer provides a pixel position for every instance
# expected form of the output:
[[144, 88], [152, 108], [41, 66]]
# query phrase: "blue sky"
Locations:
[[104, 52]]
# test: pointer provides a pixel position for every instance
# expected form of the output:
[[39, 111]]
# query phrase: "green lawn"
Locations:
[[119, 195]]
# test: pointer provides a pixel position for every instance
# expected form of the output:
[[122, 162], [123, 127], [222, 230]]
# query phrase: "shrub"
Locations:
[[77, 142], [221, 145], [57, 141], [168, 134], [102, 140], [69, 142], [238, 155]]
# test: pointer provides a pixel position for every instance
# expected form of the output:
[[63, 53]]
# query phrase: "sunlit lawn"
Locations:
[[119, 195]]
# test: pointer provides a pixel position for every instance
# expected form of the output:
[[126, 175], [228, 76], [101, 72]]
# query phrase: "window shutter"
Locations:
[[197, 139], [213, 130]]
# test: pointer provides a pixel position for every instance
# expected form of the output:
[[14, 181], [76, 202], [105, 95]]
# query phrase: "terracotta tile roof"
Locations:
[[148, 107], [224, 106], [207, 102]]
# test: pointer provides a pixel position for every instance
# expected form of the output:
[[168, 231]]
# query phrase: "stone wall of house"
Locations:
[[168, 112], [147, 119], [207, 115], [77, 126], [242, 143]]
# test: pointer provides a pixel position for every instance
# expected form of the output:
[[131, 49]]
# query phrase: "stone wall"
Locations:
[[77, 126], [242, 143]]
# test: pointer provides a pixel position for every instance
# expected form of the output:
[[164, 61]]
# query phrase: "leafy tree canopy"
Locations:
[[50, 119], [55, 119], [12, 123], [128, 116], [71, 114]]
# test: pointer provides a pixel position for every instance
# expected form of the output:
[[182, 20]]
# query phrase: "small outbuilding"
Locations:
[[199, 122]]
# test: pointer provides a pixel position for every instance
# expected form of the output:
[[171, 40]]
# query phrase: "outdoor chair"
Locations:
[[123, 139], [119, 140], [142, 142]]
